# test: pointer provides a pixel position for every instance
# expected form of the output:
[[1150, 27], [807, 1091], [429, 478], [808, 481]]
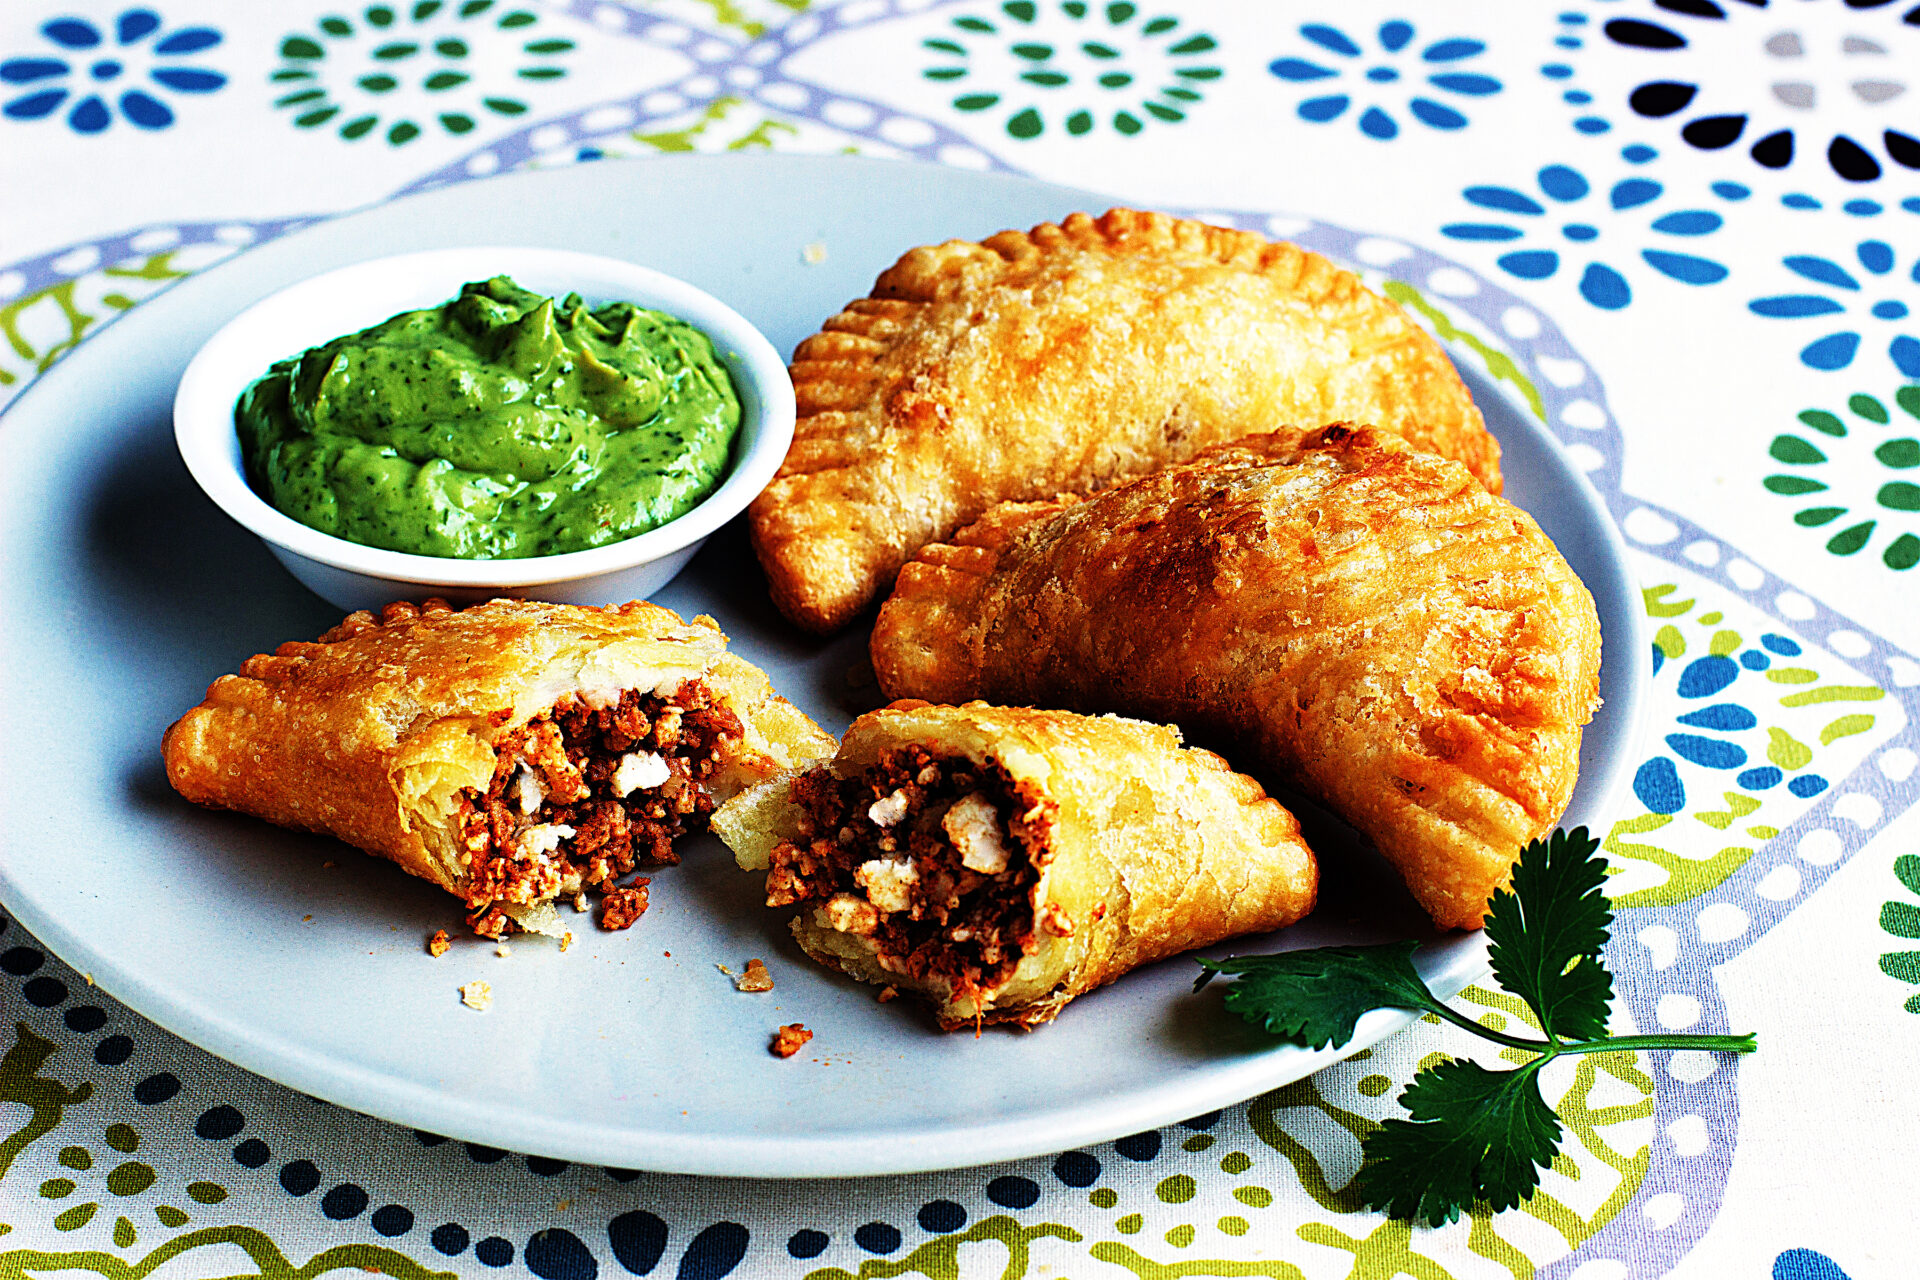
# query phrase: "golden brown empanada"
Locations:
[[1001, 861], [509, 752], [1343, 612], [1064, 359]]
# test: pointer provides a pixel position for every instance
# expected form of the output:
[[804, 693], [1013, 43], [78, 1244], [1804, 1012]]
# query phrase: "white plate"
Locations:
[[127, 591]]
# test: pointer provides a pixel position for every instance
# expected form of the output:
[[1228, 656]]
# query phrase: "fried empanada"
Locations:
[[509, 752], [1340, 612], [1001, 861], [1062, 360]]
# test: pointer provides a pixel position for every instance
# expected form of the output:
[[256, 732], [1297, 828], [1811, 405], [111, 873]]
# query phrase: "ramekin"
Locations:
[[346, 300]]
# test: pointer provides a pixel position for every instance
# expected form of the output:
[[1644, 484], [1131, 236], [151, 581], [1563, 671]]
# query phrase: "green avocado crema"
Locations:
[[500, 425]]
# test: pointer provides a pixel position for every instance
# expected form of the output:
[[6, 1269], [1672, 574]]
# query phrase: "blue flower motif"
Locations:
[[91, 64], [1601, 284], [1435, 65], [1657, 783], [1806, 1264], [1837, 349]]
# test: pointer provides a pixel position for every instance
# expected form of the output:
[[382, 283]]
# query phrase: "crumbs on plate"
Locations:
[[477, 995], [619, 908], [788, 1039], [438, 945], [756, 978]]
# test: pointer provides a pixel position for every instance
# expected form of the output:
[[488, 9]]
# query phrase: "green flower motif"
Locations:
[[126, 1179], [398, 65], [1902, 920], [1073, 64], [1893, 511]]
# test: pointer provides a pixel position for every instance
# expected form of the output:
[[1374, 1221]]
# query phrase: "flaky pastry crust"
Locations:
[[1143, 849], [1063, 359], [1339, 611], [383, 731]]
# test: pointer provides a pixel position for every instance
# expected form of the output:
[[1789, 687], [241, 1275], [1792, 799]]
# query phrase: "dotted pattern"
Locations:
[[727, 69]]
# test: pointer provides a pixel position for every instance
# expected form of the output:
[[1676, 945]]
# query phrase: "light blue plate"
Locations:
[[127, 592]]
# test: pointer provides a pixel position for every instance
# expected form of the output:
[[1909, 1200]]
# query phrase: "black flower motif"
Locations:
[[1850, 61]]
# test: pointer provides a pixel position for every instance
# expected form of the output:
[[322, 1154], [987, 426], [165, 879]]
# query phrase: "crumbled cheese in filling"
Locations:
[[886, 881], [527, 791], [848, 914], [542, 838], [888, 810], [973, 824], [640, 770]]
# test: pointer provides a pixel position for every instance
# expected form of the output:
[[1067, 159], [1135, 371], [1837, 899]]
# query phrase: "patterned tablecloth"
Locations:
[[1718, 204]]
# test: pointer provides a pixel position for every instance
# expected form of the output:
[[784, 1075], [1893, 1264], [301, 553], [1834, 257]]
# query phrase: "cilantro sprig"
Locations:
[[1474, 1134]]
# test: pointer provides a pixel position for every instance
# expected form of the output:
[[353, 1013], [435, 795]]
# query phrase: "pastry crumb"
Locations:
[[326, 864], [888, 993], [566, 940], [490, 922], [814, 254], [619, 908], [756, 978], [477, 995], [502, 950], [579, 902], [788, 1039], [307, 919], [722, 968], [438, 945]]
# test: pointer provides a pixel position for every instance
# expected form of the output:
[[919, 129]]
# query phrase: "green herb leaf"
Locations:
[[1315, 997], [1476, 1135], [1546, 935]]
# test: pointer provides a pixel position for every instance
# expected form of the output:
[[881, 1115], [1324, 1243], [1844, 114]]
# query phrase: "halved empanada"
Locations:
[[1343, 612], [1064, 359], [1001, 861], [509, 752]]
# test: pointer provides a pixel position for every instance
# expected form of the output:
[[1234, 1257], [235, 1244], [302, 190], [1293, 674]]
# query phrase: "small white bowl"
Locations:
[[352, 298]]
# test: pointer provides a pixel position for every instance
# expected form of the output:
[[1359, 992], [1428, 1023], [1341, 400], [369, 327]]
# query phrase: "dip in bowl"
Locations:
[[494, 546]]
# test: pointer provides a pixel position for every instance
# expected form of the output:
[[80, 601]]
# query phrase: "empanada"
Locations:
[[1001, 861], [1064, 359], [1339, 612], [509, 752]]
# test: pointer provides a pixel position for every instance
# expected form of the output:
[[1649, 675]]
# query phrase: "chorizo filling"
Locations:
[[582, 795], [934, 858]]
